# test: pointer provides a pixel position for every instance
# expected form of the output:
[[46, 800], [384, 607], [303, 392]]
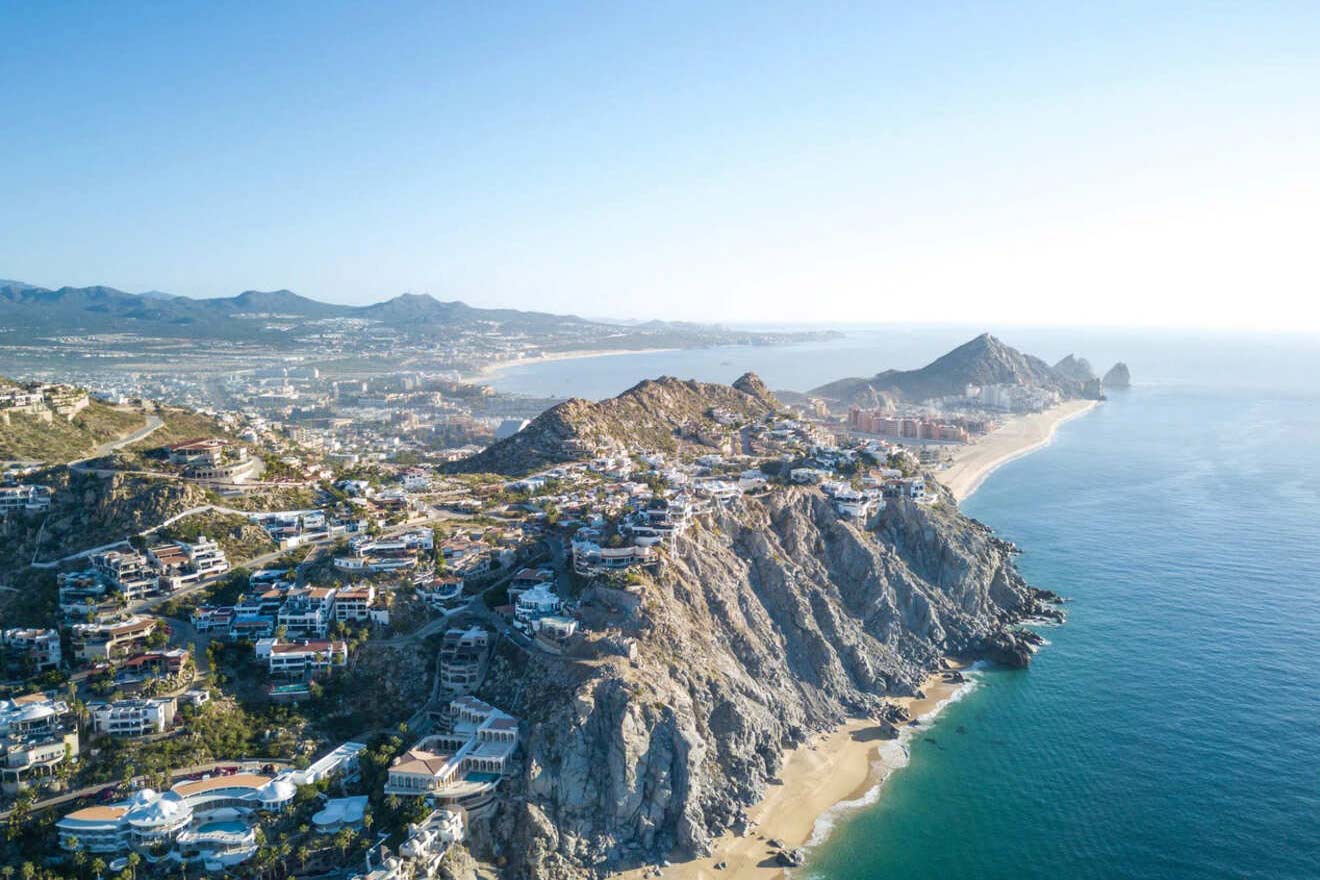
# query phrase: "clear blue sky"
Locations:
[[1017, 162]]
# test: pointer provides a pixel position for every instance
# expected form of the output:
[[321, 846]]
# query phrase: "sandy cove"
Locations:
[[833, 768], [1017, 437]]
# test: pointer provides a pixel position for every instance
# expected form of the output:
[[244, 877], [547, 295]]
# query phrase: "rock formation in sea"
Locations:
[[1118, 376]]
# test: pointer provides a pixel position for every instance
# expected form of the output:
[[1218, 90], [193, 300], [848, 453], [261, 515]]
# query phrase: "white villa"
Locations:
[[461, 768], [36, 736], [590, 558], [133, 717], [421, 852], [538, 602], [42, 646], [301, 658], [105, 641], [24, 499], [207, 820]]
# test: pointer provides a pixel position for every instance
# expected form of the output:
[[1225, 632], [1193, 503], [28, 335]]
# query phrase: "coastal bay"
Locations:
[[1133, 746], [1016, 437]]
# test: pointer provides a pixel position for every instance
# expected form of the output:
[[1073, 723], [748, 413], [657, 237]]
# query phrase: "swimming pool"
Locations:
[[224, 827]]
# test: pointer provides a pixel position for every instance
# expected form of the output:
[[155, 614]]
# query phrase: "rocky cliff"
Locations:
[[768, 621], [1075, 368]]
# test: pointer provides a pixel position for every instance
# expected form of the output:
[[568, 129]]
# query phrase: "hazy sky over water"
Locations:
[[1128, 163]]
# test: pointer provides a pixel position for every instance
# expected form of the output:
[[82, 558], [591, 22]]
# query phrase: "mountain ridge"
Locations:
[[654, 414], [103, 309], [984, 360]]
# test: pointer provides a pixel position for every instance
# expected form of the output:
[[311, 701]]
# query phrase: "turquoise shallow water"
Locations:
[[1172, 728]]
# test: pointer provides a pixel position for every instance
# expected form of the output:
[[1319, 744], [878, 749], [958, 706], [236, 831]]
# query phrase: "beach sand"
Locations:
[[495, 367], [833, 769], [840, 768], [1017, 437]]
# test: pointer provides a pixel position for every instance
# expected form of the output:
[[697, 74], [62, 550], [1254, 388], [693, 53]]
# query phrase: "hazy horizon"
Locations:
[[1033, 164]]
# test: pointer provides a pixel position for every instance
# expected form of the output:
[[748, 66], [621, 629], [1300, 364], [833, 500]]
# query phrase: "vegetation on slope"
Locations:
[[28, 438]]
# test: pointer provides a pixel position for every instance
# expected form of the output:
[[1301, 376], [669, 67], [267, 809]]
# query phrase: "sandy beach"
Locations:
[[498, 366], [1017, 437], [831, 772], [839, 769]]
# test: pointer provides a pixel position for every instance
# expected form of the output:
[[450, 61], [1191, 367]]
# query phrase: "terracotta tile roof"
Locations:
[[98, 814], [420, 762], [237, 780]]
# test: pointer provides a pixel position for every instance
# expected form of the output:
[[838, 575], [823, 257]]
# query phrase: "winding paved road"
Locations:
[[153, 422]]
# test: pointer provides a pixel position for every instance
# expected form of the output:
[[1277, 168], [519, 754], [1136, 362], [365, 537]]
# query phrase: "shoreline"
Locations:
[[832, 774], [840, 771], [496, 367], [1017, 437]]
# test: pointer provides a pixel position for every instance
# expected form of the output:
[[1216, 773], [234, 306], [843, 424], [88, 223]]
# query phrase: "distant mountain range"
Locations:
[[268, 314], [107, 310], [984, 360]]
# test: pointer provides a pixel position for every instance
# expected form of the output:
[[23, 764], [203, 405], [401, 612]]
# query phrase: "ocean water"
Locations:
[[1157, 357], [1171, 729]]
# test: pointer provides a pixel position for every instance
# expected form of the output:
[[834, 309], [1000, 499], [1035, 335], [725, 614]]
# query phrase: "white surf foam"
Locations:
[[890, 756]]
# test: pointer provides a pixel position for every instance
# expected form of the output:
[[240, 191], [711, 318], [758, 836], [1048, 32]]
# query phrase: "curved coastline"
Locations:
[[823, 780], [845, 770], [494, 368], [1018, 437]]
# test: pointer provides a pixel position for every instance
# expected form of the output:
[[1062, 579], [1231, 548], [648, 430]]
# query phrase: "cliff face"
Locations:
[[1078, 369], [768, 621]]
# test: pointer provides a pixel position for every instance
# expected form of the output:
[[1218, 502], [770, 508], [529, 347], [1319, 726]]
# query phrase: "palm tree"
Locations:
[[133, 861], [98, 867]]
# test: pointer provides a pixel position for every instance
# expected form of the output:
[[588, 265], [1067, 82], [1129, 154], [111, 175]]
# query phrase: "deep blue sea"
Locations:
[[1171, 729]]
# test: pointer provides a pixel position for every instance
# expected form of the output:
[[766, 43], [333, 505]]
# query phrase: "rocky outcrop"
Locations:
[[1118, 376], [984, 360], [768, 621], [657, 414], [1075, 368], [89, 511]]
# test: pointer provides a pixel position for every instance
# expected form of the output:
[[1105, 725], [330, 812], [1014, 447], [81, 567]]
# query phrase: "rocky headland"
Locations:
[[768, 622], [984, 360]]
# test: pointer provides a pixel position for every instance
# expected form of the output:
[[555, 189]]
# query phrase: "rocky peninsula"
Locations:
[[771, 623]]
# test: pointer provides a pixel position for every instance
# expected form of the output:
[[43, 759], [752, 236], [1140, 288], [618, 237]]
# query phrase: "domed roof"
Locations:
[[277, 790], [161, 809], [142, 797]]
